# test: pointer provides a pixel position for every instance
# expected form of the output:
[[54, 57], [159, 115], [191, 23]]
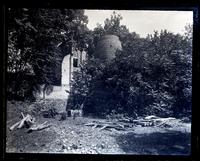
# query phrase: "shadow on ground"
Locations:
[[157, 143], [21, 141]]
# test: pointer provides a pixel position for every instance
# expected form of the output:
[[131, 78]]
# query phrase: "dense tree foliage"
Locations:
[[38, 39], [151, 75]]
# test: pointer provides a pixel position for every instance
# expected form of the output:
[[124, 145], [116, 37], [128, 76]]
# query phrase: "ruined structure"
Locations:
[[105, 50], [107, 46], [71, 63]]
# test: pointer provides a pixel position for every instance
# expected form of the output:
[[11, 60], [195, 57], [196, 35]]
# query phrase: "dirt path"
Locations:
[[72, 136]]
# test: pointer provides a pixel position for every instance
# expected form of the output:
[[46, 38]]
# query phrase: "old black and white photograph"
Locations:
[[97, 81]]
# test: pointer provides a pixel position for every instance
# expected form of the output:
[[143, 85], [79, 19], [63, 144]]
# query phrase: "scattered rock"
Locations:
[[73, 146], [102, 146], [63, 116], [43, 145], [71, 136], [64, 147], [35, 144]]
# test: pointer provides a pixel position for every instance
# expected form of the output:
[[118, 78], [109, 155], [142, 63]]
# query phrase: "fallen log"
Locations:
[[13, 126], [151, 117], [28, 121], [90, 124], [38, 127], [22, 115], [23, 122], [105, 125], [165, 121], [126, 120], [152, 121], [111, 127]]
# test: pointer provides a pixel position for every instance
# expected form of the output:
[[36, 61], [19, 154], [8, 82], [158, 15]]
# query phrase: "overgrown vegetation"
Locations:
[[151, 75], [38, 39]]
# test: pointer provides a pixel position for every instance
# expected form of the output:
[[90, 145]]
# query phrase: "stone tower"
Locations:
[[107, 46]]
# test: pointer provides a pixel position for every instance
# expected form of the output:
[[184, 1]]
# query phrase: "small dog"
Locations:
[[76, 113]]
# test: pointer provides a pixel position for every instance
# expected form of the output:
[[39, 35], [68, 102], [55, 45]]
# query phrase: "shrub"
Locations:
[[156, 80]]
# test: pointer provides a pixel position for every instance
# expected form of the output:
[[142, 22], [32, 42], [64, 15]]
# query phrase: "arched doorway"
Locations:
[[66, 71]]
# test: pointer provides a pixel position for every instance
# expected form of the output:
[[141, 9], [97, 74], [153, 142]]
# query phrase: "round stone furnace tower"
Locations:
[[107, 46]]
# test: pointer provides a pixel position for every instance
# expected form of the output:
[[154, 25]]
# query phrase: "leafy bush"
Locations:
[[156, 80]]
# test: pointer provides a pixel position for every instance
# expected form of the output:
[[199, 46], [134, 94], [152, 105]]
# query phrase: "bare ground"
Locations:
[[72, 136]]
